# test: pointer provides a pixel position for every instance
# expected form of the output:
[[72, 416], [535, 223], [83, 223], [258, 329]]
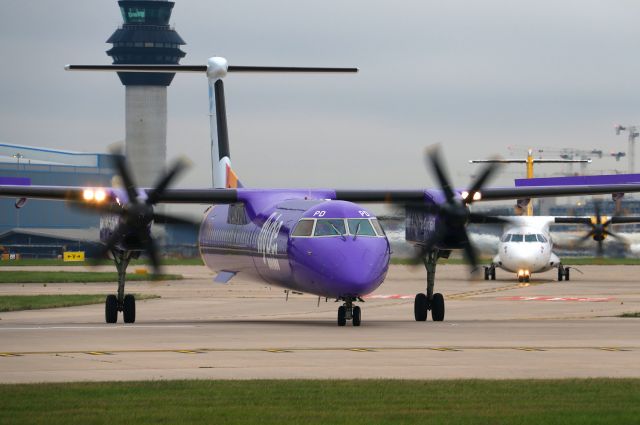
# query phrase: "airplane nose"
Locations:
[[341, 267]]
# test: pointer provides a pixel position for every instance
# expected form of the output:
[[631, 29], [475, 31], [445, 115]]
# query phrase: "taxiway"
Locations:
[[243, 330]]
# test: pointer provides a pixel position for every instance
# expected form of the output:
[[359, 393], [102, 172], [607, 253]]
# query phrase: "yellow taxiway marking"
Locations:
[[613, 349], [323, 349], [468, 294]]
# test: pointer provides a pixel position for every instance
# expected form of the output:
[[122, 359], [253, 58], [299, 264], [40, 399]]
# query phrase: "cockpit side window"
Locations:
[[377, 226], [360, 227], [530, 238], [516, 238], [330, 227], [541, 238], [303, 228]]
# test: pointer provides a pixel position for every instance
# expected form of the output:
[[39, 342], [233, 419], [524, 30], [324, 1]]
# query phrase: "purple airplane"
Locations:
[[322, 242]]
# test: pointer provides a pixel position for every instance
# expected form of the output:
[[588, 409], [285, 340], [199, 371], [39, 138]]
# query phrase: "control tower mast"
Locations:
[[146, 38]]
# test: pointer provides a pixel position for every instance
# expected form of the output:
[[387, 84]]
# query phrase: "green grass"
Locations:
[[38, 302], [54, 262], [25, 276], [550, 402], [636, 314]]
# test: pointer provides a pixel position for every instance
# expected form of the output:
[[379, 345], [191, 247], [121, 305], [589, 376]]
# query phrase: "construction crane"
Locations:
[[530, 161], [633, 135]]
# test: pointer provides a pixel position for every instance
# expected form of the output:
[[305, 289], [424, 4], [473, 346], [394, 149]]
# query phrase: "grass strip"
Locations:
[[636, 314], [197, 261], [26, 276], [38, 302], [590, 401]]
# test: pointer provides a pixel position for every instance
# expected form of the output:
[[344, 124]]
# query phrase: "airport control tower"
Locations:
[[146, 38]]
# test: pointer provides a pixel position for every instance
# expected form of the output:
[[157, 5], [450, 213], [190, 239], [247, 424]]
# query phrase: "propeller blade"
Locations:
[[614, 235], [125, 175], [470, 253], [584, 238], [598, 215], [160, 218], [486, 173], [164, 182], [486, 219], [154, 257], [600, 251], [433, 157]]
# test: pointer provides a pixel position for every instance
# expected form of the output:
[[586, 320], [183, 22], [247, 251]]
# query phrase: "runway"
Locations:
[[244, 330]]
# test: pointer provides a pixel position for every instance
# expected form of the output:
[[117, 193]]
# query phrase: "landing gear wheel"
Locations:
[[493, 274], [437, 308], [486, 273], [566, 274], [342, 316], [520, 279], [527, 279], [111, 309], [560, 273], [129, 309], [420, 306], [356, 316]]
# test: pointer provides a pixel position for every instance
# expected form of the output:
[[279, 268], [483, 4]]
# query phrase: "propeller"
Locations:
[[133, 231], [599, 229], [455, 211]]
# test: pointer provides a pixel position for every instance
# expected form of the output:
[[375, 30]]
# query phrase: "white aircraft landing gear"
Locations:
[[563, 272], [430, 301], [348, 311], [124, 303]]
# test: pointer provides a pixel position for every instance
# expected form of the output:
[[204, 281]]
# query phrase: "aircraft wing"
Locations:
[[225, 196]]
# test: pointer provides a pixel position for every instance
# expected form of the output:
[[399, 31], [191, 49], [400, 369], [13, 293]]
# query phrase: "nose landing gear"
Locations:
[[348, 311]]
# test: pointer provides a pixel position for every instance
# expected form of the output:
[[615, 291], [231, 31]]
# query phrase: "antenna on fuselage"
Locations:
[[216, 69]]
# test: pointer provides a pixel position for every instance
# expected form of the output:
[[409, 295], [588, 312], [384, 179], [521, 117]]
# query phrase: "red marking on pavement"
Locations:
[[578, 299], [390, 297]]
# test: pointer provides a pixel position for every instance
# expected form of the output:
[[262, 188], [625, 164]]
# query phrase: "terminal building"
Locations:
[[47, 228]]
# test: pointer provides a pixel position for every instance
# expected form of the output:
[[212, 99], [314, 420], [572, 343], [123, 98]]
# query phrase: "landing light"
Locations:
[[94, 195], [476, 196], [100, 195]]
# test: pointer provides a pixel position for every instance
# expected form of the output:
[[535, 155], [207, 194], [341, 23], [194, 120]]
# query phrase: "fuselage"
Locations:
[[526, 247], [324, 247]]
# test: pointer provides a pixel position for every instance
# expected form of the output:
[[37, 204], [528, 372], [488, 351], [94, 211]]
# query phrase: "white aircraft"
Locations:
[[526, 245]]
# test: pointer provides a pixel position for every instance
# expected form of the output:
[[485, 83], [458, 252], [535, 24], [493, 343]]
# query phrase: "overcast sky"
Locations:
[[474, 76]]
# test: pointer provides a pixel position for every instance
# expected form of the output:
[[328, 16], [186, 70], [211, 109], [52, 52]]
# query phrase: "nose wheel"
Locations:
[[349, 312]]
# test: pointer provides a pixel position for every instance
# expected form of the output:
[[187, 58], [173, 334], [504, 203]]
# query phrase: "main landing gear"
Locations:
[[563, 272], [430, 301], [348, 311], [490, 272], [124, 303]]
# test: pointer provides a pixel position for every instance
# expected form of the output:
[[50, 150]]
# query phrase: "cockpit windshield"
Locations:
[[330, 227], [360, 226], [337, 227], [531, 237]]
